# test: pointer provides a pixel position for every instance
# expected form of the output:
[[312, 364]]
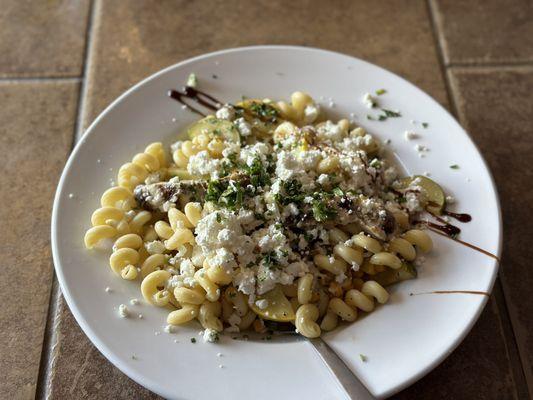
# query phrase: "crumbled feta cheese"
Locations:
[[450, 199], [134, 302], [311, 112], [202, 164], [155, 247], [169, 329], [369, 100], [244, 127], [227, 112], [108, 289], [211, 336]]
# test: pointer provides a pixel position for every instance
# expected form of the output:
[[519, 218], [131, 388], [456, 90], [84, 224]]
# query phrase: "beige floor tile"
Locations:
[[42, 38], [480, 31], [495, 106], [36, 129]]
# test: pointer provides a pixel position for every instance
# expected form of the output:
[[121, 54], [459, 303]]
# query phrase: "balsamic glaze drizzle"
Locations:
[[197, 96], [452, 292]]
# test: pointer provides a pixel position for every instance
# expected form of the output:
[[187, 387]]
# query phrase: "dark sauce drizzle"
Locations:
[[196, 96], [466, 244], [458, 217], [452, 292]]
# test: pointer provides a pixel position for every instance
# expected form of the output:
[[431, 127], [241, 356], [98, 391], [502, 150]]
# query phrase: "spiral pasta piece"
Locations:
[[305, 320], [420, 239], [97, 233], [374, 289]]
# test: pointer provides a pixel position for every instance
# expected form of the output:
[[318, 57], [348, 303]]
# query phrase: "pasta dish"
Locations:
[[267, 213]]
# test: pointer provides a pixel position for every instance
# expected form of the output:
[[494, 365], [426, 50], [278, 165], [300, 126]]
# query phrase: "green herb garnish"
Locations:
[[425, 124], [337, 191], [379, 92], [363, 357], [321, 212], [391, 114], [192, 80], [454, 166], [193, 340], [264, 111]]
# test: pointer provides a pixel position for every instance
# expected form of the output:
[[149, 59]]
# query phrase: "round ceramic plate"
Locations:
[[401, 341]]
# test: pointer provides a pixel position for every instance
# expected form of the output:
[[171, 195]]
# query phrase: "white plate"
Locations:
[[402, 341]]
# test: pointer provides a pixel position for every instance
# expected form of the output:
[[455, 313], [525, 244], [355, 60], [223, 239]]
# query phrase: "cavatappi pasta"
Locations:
[[267, 212]]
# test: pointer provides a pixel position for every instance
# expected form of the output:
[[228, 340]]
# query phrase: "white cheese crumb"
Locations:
[[244, 127], [311, 112], [108, 289], [141, 316], [169, 329], [227, 112], [219, 354], [220, 366], [155, 247], [71, 195], [123, 311], [369, 101], [134, 302], [157, 333], [211, 336], [450, 199]]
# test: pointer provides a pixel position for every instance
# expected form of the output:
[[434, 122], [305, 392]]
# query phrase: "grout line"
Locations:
[[46, 366], [41, 79], [489, 64], [491, 68], [510, 339], [440, 56], [511, 343], [95, 9], [49, 342]]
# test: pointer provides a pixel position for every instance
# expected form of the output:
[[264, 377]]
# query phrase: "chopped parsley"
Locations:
[[321, 212], [425, 124], [229, 195], [193, 340], [192, 80], [454, 166], [391, 114], [214, 191], [337, 191], [264, 111], [375, 163], [363, 357], [258, 173], [379, 92], [292, 193]]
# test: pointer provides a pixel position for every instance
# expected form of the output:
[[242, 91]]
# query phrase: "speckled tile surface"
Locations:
[[36, 126], [149, 38], [480, 31], [496, 107], [42, 38]]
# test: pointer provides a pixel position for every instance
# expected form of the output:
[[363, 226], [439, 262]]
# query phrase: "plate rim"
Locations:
[[142, 379]]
